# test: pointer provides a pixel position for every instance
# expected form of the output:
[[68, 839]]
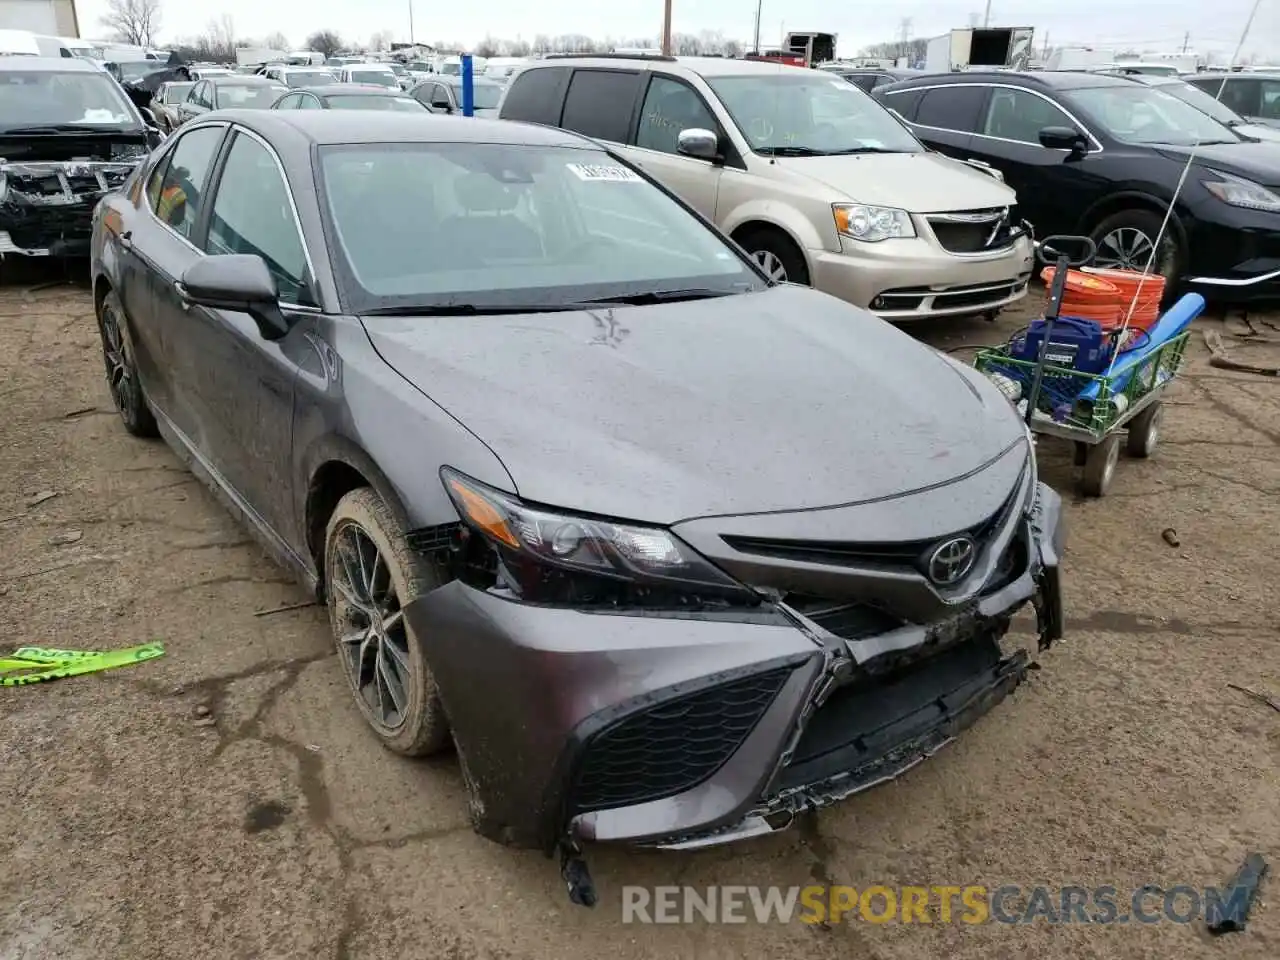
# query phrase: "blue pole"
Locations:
[[468, 87]]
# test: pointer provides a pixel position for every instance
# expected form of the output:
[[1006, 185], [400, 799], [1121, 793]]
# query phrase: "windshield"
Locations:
[[398, 70], [137, 69], [40, 98], [809, 112], [309, 78], [486, 224], [420, 66], [257, 97], [1201, 101], [451, 69], [1144, 115], [176, 92], [375, 102], [485, 96], [383, 78]]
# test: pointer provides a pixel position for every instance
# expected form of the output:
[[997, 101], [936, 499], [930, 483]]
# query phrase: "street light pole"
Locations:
[[411, 21], [759, 11], [666, 28]]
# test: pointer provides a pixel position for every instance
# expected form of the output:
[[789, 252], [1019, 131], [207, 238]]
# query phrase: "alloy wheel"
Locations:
[[115, 355], [1128, 248], [771, 265], [373, 642]]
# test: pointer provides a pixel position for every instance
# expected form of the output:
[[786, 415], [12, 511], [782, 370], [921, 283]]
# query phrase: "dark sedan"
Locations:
[[1105, 155], [349, 96], [231, 92], [443, 94], [669, 552]]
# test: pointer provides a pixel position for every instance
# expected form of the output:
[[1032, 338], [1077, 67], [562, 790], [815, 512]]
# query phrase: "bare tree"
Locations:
[[134, 22], [518, 48], [324, 41], [381, 41], [488, 47], [276, 41]]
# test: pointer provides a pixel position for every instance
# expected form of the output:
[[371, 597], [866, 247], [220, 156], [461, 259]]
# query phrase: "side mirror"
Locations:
[[1064, 138], [238, 282], [699, 143]]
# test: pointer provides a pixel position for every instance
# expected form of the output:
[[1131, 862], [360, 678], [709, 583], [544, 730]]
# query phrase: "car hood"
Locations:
[[916, 182], [1258, 132], [1254, 161], [785, 399]]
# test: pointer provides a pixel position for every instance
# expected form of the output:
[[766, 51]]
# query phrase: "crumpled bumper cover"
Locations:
[[806, 724], [46, 207]]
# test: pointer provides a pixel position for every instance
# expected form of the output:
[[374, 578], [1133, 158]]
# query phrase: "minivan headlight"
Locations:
[[1240, 192], [858, 221]]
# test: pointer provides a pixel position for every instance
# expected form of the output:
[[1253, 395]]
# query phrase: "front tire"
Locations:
[[371, 576], [1125, 241], [776, 254], [118, 356]]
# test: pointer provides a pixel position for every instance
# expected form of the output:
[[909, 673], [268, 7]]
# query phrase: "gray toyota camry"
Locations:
[[667, 552]]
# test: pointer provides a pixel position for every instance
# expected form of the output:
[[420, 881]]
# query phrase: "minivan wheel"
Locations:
[[1125, 241], [122, 370], [371, 577], [776, 253]]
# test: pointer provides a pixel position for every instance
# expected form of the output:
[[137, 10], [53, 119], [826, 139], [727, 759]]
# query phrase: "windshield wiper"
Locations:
[[791, 152], [66, 128], [853, 150], [658, 296]]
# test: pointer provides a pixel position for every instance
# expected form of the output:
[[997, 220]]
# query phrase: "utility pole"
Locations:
[[1045, 54], [666, 28], [411, 21], [759, 11], [1186, 41], [986, 17], [904, 35]]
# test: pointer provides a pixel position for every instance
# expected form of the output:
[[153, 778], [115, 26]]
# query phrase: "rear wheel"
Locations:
[[1144, 432], [122, 369], [372, 575], [776, 254]]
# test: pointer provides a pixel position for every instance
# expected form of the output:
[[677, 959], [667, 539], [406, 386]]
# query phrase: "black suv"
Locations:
[[1102, 155]]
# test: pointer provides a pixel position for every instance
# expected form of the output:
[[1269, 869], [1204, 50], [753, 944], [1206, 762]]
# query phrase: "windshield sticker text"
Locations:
[[584, 171]]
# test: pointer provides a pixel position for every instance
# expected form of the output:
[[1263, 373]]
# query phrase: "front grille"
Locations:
[[36, 228], [903, 553], [672, 746], [966, 232], [848, 621]]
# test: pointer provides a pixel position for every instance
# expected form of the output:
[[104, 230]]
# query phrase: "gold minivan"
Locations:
[[816, 180]]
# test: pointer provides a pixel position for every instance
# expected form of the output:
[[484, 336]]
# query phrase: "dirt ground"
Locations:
[[225, 800]]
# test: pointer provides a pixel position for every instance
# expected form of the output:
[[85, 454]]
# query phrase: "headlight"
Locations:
[[858, 221], [1240, 192], [544, 556]]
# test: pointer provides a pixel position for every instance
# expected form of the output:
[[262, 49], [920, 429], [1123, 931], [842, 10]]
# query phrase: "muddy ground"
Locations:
[[224, 801]]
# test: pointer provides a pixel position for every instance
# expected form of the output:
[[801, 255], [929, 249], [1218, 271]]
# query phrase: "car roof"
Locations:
[[351, 90], [48, 64], [1040, 79], [1242, 74], [241, 80], [453, 80], [702, 66], [325, 127]]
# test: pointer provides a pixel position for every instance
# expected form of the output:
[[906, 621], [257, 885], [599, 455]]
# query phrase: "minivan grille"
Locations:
[[966, 231]]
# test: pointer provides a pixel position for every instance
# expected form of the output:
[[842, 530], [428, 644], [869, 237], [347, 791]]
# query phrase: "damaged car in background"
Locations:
[[68, 135], [669, 551]]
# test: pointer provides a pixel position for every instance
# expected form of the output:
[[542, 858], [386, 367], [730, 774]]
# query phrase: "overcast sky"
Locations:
[[1154, 24]]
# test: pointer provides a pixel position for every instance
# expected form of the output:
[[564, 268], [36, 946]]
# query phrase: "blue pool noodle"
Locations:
[[1176, 319]]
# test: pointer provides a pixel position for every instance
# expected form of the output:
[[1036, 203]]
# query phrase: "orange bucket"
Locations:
[[1147, 288], [1106, 295]]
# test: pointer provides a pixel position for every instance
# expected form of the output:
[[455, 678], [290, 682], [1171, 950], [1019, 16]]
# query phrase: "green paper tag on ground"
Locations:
[[38, 664]]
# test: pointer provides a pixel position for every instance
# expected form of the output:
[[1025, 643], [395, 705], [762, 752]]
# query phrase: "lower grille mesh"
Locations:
[[672, 746]]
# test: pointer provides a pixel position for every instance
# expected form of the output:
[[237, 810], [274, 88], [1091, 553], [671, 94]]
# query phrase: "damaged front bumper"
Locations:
[[685, 730], [46, 208]]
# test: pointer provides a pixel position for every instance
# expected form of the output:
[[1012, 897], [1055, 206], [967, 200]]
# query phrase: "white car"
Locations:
[[377, 74]]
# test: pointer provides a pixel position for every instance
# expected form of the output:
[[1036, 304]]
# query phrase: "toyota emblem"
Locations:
[[951, 561]]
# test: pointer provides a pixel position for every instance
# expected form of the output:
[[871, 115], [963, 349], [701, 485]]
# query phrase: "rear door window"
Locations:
[[536, 95], [956, 108], [599, 103], [177, 185]]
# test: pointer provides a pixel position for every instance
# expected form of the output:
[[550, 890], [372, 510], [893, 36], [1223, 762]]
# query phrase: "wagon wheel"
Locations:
[[1144, 431], [1100, 467]]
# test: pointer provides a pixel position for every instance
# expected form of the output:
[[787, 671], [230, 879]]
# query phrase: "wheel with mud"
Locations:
[[122, 370], [1100, 466], [371, 577]]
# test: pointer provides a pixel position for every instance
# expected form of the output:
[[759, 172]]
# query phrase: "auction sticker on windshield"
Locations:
[[586, 171]]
